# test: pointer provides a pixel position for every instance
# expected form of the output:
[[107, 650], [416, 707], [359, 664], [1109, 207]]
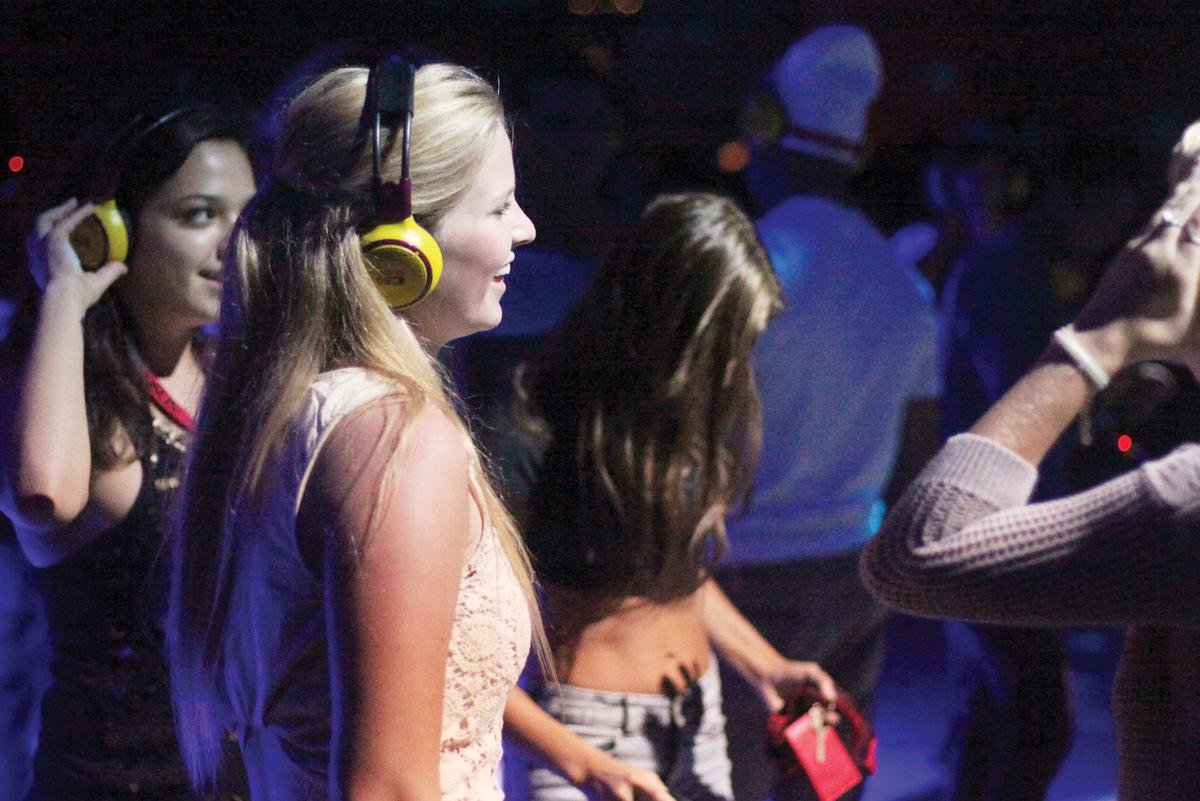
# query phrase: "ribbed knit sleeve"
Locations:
[[964, 542]]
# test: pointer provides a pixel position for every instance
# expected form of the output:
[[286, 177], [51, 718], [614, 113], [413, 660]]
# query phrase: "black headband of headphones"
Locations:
[[126, 140], [390, 101]]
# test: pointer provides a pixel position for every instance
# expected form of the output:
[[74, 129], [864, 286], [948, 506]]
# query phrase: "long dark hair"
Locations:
[[648, 396], [114, 390]]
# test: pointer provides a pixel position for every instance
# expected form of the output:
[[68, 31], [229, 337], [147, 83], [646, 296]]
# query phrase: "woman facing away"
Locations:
[[965, 542], [640, 433], [348, 593], [100, 382]]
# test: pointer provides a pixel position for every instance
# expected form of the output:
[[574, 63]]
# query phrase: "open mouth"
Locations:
[[499, 277], [211, 275]]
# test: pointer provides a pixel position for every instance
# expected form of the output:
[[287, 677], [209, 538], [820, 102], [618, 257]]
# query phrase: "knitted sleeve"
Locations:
[[964, 542]]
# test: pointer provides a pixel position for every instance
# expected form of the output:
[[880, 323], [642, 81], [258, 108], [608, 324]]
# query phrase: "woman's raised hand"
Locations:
[[1145, 304], [53, 262]]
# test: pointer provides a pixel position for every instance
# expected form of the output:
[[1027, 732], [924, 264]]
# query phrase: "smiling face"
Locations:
[[180, 236], [477, 237]]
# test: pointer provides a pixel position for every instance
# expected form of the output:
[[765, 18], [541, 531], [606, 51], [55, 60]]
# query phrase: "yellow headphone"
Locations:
[[404, 259], [107, 233]]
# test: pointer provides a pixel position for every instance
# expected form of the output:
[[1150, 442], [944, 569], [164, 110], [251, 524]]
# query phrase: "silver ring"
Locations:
[[1169, 220]]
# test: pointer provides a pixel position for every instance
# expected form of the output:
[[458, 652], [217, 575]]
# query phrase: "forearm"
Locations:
[[962, 543], [51, 470], [738, 642], [1031, 416], [568, 753]]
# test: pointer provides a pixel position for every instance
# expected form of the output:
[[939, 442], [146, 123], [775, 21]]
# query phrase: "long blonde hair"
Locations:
[[298, 300]]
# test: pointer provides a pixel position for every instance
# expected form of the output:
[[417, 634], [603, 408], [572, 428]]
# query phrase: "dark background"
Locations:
[[1094, 93], [1091, 94]]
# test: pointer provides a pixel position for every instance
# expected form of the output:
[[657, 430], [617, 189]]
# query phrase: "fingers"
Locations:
[[107, 275], [63, 217], [46, 220], [647, 785], [1171, 222], [825, 685], [811, 673], [68, 222], [626, 783]]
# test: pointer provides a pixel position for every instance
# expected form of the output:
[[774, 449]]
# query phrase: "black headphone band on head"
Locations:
[[107, 233], [404, 259], [390, 89], [128, 139], [139, 136]]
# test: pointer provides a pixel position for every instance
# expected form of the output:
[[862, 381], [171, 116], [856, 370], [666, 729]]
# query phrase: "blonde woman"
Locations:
[[349, 595]]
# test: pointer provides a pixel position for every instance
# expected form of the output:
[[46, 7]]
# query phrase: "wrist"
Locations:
[[63, 299], [588, 765], [767, 678], [1108, 349]]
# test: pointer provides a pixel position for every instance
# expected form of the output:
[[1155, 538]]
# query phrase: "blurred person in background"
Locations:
[[848, 378]]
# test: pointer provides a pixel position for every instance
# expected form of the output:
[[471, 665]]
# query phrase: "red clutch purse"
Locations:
[[835, 758]]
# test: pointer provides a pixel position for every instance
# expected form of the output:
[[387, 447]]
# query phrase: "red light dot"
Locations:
[[733, 156], [1124, 443], [16, 164]]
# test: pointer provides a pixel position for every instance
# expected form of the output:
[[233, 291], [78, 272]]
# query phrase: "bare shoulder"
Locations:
[[391, 465], [391, 430]]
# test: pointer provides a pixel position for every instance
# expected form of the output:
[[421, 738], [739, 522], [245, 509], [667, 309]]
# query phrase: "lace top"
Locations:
[[488, 646], [277, 679]]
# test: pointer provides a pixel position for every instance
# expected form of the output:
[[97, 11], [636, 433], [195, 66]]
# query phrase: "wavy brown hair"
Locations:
[[647, 394]]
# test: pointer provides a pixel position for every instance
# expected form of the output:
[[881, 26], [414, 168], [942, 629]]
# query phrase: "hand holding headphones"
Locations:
[[404, 259], [106, 235], [53, 259]]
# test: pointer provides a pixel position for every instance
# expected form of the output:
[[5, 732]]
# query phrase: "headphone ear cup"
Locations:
[[404, 260], [103, 236]]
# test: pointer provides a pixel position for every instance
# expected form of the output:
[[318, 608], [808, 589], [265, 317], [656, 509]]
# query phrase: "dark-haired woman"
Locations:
[[637, 433], [99, 390]]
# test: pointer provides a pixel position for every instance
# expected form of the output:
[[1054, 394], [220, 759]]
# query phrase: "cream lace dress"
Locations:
[[277, 667], [488, 646]]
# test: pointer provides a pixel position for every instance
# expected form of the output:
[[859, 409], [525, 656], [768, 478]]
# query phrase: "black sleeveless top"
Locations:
[[107, 729]]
